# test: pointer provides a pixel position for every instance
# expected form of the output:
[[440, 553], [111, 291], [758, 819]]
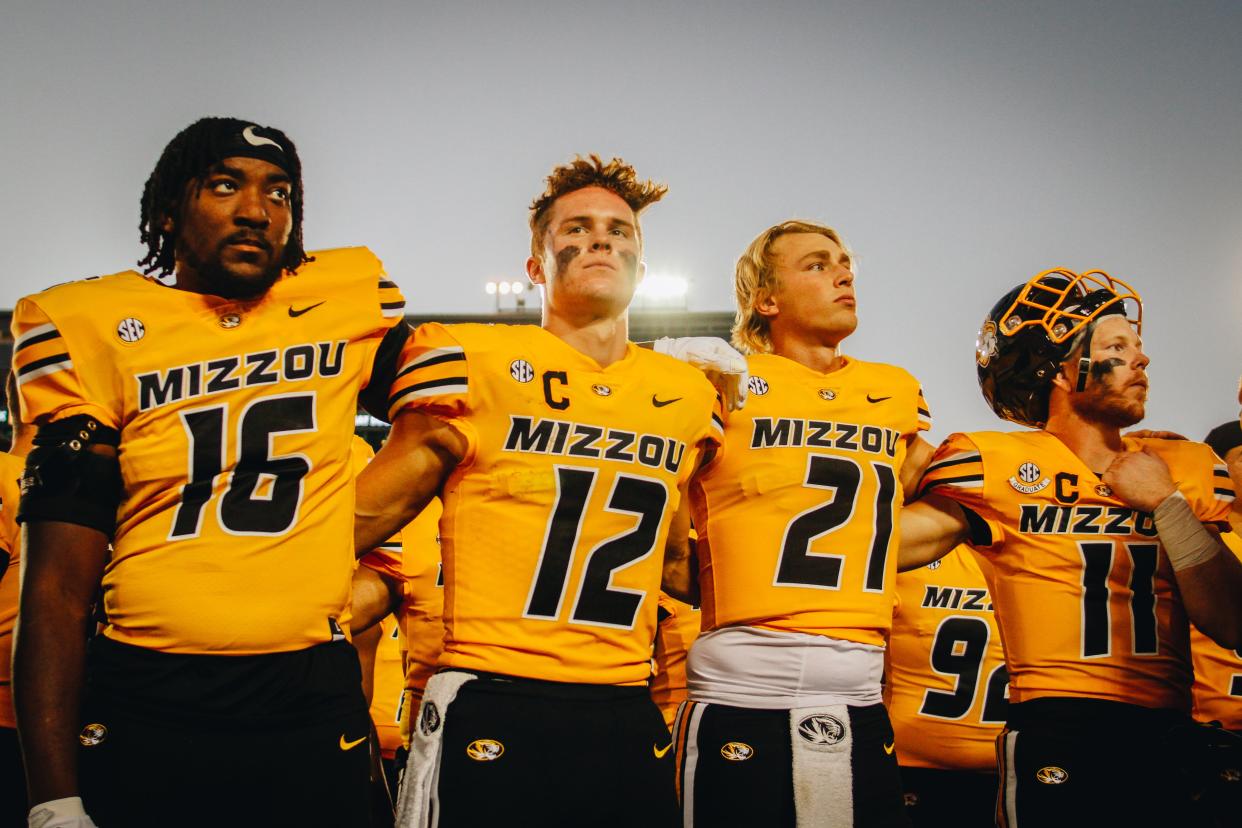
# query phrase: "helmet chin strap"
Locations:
[[1084, 362]]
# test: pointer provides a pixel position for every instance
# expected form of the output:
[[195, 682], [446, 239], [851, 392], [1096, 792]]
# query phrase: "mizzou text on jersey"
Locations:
[[235, 421], [1084, 594], [1217, 690], [799, 503], [947, 688], [555, 521]]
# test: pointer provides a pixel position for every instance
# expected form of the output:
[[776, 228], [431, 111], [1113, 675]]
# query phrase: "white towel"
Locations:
[[417, 805], [823, 773]]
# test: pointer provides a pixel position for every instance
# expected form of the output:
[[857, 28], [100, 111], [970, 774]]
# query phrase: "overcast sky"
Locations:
[[960, 147]]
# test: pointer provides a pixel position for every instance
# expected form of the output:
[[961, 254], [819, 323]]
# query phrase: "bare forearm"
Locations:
[[1212, 595], [404, 476], [367, 643], [929, 529], [680, 578], [49, 668], [61, 569], [374, 596]]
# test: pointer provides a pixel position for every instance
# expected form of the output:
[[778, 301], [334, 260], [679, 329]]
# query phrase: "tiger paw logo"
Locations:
[[1029, 479], [485, 750], [737, 751], [821, 729], [1052, 775]]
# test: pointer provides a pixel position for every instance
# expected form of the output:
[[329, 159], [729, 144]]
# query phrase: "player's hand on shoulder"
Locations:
[[724, 366], [60, 813], [1140, 478]]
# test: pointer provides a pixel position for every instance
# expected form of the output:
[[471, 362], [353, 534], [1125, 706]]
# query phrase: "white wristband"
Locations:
[[59, 813], [1185, 540]]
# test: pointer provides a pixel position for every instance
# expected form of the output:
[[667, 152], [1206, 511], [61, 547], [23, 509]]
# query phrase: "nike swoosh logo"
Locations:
[[659, 754], [872, 399], [661, 403], [306, 309], [351, 745], [889, 747], [257, 140]]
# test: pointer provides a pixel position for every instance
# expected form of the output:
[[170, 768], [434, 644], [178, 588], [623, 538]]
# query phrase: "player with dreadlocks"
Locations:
[[191, 467], [1101, 548], [197, 148]]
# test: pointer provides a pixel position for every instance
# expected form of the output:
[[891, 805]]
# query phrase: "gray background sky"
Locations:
[[960, 147]]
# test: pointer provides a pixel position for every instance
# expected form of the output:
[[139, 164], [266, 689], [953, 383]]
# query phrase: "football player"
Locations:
[[1101, 547], [1217, 691], [562, 452], [785, 723], [203, 427], [12, 777], [947, 692], [1218, 671]]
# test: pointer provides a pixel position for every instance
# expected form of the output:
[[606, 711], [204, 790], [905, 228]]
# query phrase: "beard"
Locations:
[[222, 282], [1104, 403]]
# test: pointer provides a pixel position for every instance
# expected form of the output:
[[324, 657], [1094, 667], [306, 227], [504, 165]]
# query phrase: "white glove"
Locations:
[[725, 367], [60, 813]]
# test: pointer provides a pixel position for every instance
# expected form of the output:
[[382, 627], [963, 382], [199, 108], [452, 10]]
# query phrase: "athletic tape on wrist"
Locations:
[[1185, 540]]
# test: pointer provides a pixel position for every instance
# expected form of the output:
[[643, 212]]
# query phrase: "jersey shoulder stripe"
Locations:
[[957, 463], [50, 384], [432, 371]]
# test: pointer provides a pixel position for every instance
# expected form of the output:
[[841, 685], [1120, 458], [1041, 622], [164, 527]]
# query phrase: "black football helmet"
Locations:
[[1034, 327]]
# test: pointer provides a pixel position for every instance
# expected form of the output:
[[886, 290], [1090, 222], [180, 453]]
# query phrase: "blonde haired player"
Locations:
[[796, 515]]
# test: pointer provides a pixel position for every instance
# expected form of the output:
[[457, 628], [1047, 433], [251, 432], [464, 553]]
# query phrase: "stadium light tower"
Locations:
[[503, 287]]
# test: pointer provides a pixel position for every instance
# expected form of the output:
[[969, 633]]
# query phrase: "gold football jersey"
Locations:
[[555, 520], [677, 628], [1217, 689], [946, 687], [1084, 593], [10, 539], [235, 532], [796, 514]]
